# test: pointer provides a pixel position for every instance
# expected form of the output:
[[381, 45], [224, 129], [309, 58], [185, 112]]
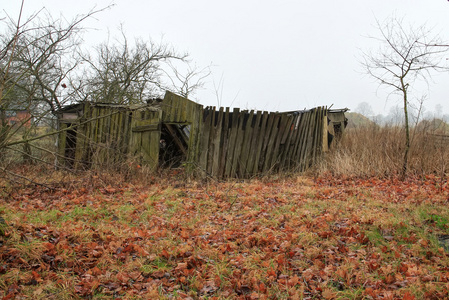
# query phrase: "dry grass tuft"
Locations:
[[378, 151]]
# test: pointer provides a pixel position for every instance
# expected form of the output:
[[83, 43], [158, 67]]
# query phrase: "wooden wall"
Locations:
[[108, 133], [221, 143], [103, 134], [145, 136], [177, 110], [246, 143]]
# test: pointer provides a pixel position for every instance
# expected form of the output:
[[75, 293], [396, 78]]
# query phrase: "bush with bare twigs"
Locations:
[[377, 151]]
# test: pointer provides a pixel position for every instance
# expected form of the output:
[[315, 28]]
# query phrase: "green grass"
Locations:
[[154, 231]]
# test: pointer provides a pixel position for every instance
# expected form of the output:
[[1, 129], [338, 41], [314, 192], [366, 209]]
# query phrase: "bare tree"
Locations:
[[43, 56], [127, 73], [406, 54], [43, 67], [187, 79], [364, 108], [37, 56]]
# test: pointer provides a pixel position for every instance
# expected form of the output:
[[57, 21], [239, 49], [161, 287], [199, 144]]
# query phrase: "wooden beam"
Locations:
[[172, 130]]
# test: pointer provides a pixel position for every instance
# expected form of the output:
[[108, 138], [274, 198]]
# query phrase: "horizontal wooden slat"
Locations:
[[151, 127]]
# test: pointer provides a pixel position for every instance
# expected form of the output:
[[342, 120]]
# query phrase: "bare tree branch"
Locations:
[[405, 55]]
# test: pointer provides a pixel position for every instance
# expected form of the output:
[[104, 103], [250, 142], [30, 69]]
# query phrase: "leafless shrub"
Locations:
[[375, 151]]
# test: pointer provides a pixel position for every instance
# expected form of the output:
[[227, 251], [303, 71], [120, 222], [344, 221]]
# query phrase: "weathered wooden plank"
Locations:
[[210, 154], [319, 136], [238, 145], [260, 141], [216, 141], [101, 122], [307, 154], [284, 129], [62, 140], [246, 144], [232, 141], [136, 140], [206, 129], [315, 137], [149, 149], [301, 142], [278, 137], [99, 136], [105, 147], [93, 124], [118, 136], [155, 137], [286, 142], [292, 158], [254, 138], [145, 147], [102, 147], [266, 140], [148, 127], [304, 140], [82, 142], [126, 119], [90, 135], [175, 107], [194, 139], [107, 125], [178, 109], [95, 134], [111, 141], [324, 133], [183, 109], [225, 142], [271, 141]]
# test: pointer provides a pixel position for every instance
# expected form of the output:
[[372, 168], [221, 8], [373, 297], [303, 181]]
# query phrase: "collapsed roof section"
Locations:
[[219, 143]]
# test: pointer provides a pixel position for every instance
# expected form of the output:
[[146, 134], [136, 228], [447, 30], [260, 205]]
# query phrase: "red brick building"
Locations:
[[19, 117]]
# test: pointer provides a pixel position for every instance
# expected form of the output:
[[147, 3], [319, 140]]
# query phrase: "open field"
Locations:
[[296, 238]]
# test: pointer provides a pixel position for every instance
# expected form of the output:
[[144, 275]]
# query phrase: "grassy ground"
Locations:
[[296, 238]]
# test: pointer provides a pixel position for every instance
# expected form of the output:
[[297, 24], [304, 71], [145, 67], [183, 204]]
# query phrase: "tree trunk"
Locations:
[[26, 155], [407, 133], [4, 130]]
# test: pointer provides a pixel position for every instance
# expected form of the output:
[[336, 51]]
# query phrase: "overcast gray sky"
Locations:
[[272, 55]]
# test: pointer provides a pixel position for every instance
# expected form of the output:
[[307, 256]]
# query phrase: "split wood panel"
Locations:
[[110, 133], [177, 110], [103, 134], [221, 143], [243, 144]]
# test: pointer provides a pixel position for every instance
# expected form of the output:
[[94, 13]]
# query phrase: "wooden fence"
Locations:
[[245, 143], [102, 133], [222, 143], [107, 133]]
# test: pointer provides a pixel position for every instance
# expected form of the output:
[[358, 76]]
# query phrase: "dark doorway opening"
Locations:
[[173, 145]]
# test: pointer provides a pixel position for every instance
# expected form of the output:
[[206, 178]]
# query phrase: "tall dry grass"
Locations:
[[379, 151]]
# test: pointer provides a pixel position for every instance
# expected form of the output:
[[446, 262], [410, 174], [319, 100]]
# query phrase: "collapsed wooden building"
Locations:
[[220, 143]]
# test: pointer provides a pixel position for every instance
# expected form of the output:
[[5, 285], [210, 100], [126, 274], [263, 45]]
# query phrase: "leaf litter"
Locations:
[[295, 238]]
